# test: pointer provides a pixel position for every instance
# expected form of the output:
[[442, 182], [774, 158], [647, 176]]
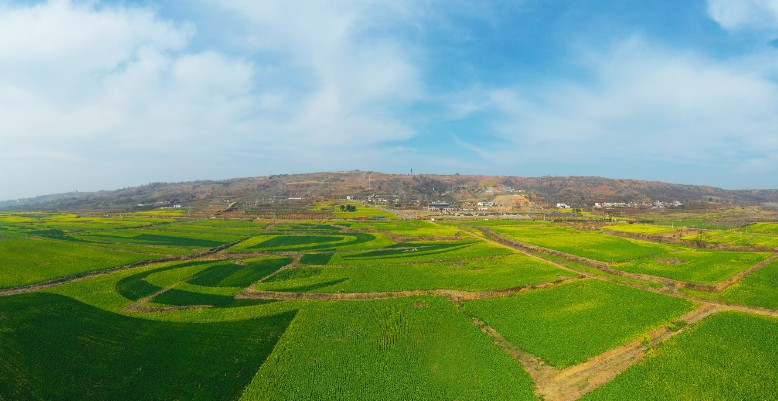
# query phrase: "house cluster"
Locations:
[[444, 207], [611, 205], [642, 205]]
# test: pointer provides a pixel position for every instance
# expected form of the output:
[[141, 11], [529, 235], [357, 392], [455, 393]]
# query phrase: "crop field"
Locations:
[[401, 349], [761, 228], [642, 228], [758, 289], [695, 265], [25, 261], [738, 238], [570, 323], [313, 242], [410, 252], [588, 244], [362, 210], [409, 228], [56, 348], [729, 356], [202, 239], [220, 309], [472, 275]]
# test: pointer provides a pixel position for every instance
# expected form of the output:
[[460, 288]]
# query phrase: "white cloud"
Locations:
[[111, 96], [352, 77], [645, 105], [745, 14], [89, 92]]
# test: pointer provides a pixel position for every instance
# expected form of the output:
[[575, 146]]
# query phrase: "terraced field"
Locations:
[[374, 310]]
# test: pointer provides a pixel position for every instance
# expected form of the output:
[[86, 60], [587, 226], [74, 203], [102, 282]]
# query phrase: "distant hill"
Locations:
[[256, 192]]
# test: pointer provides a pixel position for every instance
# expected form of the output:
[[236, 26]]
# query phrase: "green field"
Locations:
[[362, 210], [642, 228], [313, 242], [25, 261], [55, 348], [729, 356], [761, 228], [737, 238], [757, 289], [401, 349], [695, 265], [191, 327], [588, 244], [409, 228], [570, 323], [472, 275]]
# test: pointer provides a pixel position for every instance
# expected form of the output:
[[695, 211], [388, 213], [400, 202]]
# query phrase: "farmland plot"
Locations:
[[410, 252], [642, 228], [588, 244], [472, 275], [736, 238], [757, 289], [417, 348], [695, 265], [409, 228], [570, 323], [55, 348], [728, 356], [313, 242], [29, 260]]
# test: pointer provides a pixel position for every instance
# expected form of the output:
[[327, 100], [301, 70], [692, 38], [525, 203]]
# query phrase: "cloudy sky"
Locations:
[[108, 94]]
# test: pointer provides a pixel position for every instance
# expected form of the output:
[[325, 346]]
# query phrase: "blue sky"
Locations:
[[108, 94]]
